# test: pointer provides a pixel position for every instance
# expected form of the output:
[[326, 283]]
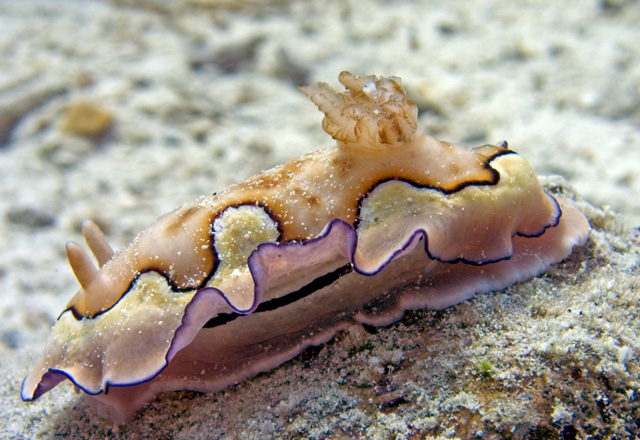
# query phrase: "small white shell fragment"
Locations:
[[624, 354]]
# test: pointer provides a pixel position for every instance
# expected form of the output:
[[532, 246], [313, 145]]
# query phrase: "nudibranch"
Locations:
[[234, 284]]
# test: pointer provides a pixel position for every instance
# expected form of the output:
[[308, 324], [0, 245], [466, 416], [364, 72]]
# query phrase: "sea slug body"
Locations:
[[234, 284]]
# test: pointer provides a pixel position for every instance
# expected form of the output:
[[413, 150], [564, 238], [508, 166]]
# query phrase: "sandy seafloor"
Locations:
[[203, 94]]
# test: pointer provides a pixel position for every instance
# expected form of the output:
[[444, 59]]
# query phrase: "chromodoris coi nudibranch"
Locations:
[[234, 284]]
